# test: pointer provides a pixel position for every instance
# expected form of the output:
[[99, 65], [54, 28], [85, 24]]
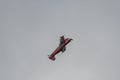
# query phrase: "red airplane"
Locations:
[[61, 47]]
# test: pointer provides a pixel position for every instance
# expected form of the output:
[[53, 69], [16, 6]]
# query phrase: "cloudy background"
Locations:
[[30, 30]]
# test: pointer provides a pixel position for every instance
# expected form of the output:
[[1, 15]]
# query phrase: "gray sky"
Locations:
[[30, 30]]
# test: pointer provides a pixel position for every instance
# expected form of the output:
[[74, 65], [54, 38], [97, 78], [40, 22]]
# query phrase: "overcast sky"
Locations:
[[30, 30]]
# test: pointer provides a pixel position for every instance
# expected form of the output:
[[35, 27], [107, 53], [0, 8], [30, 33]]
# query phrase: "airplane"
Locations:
[[60, 48]]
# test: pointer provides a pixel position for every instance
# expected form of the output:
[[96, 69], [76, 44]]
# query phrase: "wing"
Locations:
[[62, 41], [63, 49]]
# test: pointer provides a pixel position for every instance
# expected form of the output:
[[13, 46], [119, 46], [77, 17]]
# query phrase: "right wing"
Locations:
[[63, 49]]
